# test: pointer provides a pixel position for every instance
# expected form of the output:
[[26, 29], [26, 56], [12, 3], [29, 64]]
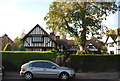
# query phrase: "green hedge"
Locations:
[[27, 52], [14, 59], [94, 63]]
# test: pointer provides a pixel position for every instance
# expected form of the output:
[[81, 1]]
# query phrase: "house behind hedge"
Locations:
[[39, 40], [4, 40], [113, 42]]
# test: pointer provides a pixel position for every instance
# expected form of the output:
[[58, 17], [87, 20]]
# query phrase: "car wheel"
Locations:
[[64, 76], [28, 76]]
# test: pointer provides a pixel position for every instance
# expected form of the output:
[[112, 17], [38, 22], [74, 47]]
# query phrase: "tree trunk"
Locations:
[[83, 38], [81, 48]]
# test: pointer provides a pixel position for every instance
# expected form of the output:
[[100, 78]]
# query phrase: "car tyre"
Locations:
[[64, 76], [28, 76]]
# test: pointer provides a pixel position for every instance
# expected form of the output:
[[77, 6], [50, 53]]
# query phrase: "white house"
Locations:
[[113, 44]]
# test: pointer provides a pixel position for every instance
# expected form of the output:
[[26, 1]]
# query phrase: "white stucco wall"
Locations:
[[115, 48]]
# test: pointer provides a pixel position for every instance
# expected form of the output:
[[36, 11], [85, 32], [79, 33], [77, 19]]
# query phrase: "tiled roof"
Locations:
[[4, 40], [98, 46], [62, 42], [70, 43]]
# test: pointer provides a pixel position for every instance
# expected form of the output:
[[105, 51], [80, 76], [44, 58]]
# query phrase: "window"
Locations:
[[111, 52], [119, 43], [90, 46], [37, 49], [36, 64], [111, 45], [75, 46], [48, 65], [37, 39]]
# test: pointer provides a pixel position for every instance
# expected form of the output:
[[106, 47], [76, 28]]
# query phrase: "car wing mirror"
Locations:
[[53, 67]]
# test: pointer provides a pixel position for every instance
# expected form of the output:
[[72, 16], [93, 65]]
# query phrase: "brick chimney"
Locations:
[[117, 31], [57, 37]]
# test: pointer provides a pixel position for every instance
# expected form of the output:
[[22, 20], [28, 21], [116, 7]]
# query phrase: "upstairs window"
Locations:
[[111, 45], [37, 39], [119, 43], [37, 49]]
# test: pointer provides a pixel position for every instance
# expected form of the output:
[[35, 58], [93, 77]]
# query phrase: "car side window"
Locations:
[[47, 65], [36, 64]]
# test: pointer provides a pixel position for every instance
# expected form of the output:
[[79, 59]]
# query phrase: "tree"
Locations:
[[104, 50], [19, 43], [21, 47], [110, 31], [22, 34], [8, 47], [79, 19]]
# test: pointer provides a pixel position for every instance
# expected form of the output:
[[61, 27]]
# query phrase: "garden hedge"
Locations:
[[12, 60], [94, 63]]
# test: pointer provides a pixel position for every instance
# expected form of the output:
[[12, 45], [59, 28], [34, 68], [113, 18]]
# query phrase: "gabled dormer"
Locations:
[[38, 40], [111, 39]]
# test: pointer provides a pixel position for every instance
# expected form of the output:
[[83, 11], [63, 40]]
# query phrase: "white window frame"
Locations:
[[38, 39]]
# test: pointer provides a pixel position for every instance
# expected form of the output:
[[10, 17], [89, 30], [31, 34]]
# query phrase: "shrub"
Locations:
[[27, 52], [111, 70], [54, 51], [8, 47], [104, 49], [21, 48], [80, 71]]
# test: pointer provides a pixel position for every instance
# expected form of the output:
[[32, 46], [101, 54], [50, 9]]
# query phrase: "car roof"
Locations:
[[40, 61], [44, 61]]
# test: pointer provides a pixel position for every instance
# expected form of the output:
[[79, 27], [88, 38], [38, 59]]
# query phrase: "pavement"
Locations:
[[100, 75]]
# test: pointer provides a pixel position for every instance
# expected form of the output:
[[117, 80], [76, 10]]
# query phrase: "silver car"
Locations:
[[45, 69]]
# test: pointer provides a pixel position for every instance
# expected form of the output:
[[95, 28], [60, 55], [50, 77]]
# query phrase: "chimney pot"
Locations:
[[57, 37]]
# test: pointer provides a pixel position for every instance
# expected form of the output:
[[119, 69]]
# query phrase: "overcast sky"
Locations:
[[17, 16]]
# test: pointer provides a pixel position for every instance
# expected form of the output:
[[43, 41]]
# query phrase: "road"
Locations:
[[14, 76], [60, 80]]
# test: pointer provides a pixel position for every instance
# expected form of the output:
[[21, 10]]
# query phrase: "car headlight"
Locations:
[[72, 71], [23, 69]]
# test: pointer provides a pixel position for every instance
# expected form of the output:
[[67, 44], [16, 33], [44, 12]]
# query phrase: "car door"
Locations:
[[49, 71], [37, 69]]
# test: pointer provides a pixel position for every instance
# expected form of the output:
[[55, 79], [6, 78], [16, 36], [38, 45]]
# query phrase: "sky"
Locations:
[[17, 16]]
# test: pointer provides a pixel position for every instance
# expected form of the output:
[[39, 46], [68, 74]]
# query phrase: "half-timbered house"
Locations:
[[39, 40], [113, 42]]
